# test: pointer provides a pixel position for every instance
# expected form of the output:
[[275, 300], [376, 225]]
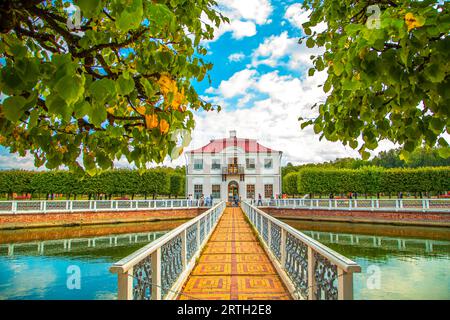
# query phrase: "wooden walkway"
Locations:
[[234, 266]]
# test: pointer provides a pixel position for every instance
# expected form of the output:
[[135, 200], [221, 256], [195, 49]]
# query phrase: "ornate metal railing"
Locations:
[[37, 206], [310, 269], [233, 169], [425, 205], [158, 270]]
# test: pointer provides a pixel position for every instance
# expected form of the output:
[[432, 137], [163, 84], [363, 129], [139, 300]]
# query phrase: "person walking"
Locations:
[[202, 200], [259, 200], [211, 199]]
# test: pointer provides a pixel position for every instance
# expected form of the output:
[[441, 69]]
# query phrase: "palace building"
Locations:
[[233, 166]]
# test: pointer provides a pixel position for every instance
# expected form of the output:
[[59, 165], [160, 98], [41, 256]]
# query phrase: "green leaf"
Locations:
[[435, 73], [89, 8], [310, 43], [97, 114], [70, 88], [338, 68], [130, 18], [125, 86], [14, 107], [57, 106], [102, 90], [82, 109]]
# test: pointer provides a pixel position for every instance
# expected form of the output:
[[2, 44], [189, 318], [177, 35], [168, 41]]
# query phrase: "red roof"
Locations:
[[248, 145]]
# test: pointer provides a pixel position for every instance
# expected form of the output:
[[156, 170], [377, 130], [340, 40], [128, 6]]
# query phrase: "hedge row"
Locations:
[[368, 180], [116, 182]]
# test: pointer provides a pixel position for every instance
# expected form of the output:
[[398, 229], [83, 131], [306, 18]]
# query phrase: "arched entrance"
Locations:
[[233, 190]]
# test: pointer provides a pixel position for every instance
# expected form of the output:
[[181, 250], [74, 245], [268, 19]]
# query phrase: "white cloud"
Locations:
[[14, 161], [241, 29], [243, 15], [236, 57], [254, 10], [281, 50], [237, 84], [296, 16]]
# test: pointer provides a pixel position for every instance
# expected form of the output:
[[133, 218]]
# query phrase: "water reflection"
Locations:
[[397, 262], [34, 263]]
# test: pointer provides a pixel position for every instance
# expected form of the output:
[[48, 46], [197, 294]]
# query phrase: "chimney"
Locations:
[[233, 134]]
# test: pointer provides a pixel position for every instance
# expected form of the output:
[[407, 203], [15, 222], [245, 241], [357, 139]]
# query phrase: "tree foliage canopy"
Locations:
[[388, 74], [118, 85]]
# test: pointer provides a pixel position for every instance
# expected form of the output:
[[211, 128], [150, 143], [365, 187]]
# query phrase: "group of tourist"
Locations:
[[202, 200]]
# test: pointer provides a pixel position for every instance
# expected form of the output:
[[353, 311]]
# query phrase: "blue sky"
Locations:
[[259, 78]]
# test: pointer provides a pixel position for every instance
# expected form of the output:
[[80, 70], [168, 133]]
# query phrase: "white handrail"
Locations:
[[45, 206], [183, 243], [301, 270], [373, 204]]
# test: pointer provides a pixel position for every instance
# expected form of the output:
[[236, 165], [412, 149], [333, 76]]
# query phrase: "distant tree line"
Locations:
[[423, 157], [114, 183], [368, 181]]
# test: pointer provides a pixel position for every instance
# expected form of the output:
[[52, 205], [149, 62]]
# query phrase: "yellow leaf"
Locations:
[[163, 126], [151, 121], [413, 21], [141, 109]]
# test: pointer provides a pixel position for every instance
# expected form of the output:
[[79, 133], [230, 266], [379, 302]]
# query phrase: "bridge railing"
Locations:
[[158, 270], [425, 205], [312, 270], [44, 206]]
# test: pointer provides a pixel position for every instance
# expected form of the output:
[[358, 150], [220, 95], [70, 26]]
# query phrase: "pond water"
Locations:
[[397, 262], [40, 263]]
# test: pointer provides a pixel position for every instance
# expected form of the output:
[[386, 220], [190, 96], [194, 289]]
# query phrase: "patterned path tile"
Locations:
[[234, 266]]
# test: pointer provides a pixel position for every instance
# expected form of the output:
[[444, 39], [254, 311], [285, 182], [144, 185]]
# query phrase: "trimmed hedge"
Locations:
[[158, 181], [370, 180], [290, 183]]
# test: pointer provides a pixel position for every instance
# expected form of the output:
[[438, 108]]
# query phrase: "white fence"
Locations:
[[312, 270], [158, 270], [36, 206], [424, 205]]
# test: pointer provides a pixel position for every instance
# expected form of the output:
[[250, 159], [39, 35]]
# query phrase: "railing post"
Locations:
[[125, 285], [311, 275], [14, 207], [156, 275], [283, 248], [269, 232], [345, 285], [184, 248]]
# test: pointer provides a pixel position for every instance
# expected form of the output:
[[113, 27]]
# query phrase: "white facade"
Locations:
[[230, 166]]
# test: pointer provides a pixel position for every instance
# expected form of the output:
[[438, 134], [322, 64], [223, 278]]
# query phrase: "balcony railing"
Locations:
[[239, 169], [158, 270], [311, 270], [36, 206], [424, 205]]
